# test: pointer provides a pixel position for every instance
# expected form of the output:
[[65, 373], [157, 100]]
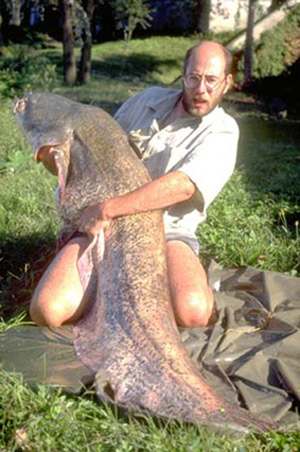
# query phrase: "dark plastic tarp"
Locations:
[[253, 343]]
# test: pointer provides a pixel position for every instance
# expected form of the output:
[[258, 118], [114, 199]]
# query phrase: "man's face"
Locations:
[[205, 81]]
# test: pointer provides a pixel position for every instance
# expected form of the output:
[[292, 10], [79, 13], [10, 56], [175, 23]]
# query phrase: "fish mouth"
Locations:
[[37, 151], [39, 147]]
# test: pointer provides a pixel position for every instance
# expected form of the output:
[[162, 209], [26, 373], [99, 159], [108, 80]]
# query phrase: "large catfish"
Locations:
[[128, 335]]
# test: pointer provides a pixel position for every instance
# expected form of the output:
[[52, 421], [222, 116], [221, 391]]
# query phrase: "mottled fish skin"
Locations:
[[128, 336]]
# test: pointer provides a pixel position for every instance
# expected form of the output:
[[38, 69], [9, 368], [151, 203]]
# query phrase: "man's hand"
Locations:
[[93, 220], [165, 191]]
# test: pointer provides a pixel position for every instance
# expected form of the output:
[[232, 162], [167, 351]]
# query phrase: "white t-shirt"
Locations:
[[203, 148]]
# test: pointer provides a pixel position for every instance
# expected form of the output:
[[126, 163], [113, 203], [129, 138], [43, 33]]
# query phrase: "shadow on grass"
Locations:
[[131, 66], [91, 98], [269, 151], [122, 66], [22, 262], [109, 107]]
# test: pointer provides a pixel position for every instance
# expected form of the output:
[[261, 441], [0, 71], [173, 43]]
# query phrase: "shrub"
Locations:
[[21, 70], [274, 52]]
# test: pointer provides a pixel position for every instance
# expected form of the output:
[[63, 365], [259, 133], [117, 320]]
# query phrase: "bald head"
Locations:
[[206, 77], [215, 49]]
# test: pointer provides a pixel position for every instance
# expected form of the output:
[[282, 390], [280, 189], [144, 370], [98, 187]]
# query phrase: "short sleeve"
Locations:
[[210, 164], [124, 113]]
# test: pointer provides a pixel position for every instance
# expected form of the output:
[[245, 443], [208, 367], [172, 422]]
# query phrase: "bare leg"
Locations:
[[192, 298], [58, 297]]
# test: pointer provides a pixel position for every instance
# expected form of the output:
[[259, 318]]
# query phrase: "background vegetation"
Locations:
[[254, 221]]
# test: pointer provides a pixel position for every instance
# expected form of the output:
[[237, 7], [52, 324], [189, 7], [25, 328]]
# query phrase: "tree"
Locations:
[[77, 18], [202, 11], [69, 61], [130, 14], [1, 22], [86, 49], [15, 11], [248, 54]]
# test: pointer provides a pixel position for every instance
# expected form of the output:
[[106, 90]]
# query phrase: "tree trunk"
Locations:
[[69, 61], [202, 12], [15, 15], [248, 55], [86, 50], [1, 22]]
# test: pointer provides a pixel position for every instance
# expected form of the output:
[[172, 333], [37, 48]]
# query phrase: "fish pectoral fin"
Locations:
[[103, 387], [90, 259]]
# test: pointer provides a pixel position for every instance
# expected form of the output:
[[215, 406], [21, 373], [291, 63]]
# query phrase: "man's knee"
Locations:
[[195, 310], [44, 313], [59, 295]]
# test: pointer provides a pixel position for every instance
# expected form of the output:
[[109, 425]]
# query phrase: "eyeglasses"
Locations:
[[211, 82]]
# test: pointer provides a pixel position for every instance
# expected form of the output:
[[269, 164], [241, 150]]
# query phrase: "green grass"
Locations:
[[254, 221], [47, 420]]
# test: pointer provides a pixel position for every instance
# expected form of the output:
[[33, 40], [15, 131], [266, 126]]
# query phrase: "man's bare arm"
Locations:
[[169, 189]]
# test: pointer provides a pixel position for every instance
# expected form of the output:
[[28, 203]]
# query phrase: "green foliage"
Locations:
[[81, 23], [274, 49], [27, 235], [254, 219], [130, 14], [21, 71], [247, 228], [46, 420]]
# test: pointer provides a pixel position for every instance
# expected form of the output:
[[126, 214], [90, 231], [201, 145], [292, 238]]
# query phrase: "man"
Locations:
[[188, 144]]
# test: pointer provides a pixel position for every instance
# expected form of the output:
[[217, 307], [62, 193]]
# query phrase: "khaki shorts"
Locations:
[[190, 241]]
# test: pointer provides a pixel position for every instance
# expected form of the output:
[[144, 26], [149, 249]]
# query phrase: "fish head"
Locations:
[[45, 121], [43, 118]]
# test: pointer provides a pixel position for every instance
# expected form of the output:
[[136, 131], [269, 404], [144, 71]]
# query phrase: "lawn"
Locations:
[[254, 221]]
